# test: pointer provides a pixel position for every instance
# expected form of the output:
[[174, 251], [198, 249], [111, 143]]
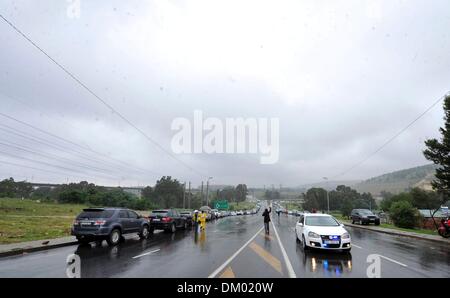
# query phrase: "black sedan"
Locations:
[[168, 220]]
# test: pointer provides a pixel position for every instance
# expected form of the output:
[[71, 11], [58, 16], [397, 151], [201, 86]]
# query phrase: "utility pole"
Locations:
[[190, 196], [207, 191], [184, 195], [202, 194]]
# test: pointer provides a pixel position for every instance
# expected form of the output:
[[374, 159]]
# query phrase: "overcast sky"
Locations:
[[342, 77]]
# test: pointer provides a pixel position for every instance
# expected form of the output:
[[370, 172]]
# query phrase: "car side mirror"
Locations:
[[300, 224]]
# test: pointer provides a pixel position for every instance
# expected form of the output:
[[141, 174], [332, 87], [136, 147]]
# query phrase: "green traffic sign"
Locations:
[[223, 205]]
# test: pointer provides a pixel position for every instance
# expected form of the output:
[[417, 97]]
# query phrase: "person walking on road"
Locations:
[[195, 220], [203, 220], [266, 215]]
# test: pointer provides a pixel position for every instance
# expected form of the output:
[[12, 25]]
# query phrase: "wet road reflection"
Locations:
[[328, 264]]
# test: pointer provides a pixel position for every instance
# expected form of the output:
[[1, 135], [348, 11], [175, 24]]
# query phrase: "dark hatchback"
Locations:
[[97, 224], [364, 217], [168, 220]]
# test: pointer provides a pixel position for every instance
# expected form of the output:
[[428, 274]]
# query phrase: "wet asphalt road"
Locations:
[[238, 247]]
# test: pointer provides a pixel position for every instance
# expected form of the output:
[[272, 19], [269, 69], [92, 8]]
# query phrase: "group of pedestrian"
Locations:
[[199, 220]]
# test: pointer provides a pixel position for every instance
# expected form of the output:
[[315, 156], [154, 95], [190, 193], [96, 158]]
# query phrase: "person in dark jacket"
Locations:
[[266, 215]]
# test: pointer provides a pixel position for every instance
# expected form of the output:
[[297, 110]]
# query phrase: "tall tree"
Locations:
[[438, 151], [241, 192]]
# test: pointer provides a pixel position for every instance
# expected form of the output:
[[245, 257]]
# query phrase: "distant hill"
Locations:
[[399, 181], [330, 185]]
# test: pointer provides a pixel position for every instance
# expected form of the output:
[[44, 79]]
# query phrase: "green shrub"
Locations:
[[404, 215]]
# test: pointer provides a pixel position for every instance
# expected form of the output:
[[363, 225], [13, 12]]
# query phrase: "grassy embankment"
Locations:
[[26, 220], [234, 206], [339, 217]]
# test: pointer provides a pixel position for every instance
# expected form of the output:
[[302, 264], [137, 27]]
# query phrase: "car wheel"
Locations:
[[145, 232], [304, 246], [173, 228], [114, 237], [353, 222], [296, 237]]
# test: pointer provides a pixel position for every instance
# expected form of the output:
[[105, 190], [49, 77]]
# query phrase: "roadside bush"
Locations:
[[404, 215]]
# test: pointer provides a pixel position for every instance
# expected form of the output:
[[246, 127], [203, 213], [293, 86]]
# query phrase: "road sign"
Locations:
[[221, 205]]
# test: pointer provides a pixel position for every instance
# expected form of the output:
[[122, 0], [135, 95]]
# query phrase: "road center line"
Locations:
[[285, 256], [393, 261], [218, 270], [146, 254]]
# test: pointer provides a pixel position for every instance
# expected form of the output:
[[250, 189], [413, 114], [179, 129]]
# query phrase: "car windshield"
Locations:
[[321, 221], [365, 212], [96, 214]]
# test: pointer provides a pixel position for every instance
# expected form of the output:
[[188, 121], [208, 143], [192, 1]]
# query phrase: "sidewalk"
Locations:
[[436, 238], [30, 246]]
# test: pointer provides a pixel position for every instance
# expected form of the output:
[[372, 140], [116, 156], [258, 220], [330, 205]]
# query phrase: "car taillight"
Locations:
[[166, 219], [99, 222]]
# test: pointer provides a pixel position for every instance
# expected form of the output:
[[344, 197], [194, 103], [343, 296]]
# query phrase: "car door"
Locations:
[[300, 226], [177, 218], [135, 222], [124, 221]]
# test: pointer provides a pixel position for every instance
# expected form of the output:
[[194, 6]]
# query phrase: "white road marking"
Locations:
[[393, 261], [220, 269], [357, 246], [147, 253], [285, 256]]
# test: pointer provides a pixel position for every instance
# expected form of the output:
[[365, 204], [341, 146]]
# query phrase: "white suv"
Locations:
[[322, 231]]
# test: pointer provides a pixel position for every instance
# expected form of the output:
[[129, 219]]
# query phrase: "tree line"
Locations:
[[166, 193]]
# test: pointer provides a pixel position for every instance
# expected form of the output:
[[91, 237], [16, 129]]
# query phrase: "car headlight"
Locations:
[[345, 236], [313, 235]]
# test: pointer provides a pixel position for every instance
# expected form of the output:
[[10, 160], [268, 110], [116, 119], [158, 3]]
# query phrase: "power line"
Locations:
[[39, 169], [110, 107], [56, 157], [48, 164], [391, 139], [70, 142]]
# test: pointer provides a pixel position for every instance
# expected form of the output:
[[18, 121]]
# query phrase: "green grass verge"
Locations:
[[27, 220], [419, 231], [233, 206]]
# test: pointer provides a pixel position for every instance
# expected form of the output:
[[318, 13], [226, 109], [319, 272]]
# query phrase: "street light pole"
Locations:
[[207, 190]]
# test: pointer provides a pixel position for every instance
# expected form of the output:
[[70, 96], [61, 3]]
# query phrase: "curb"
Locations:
[[399, 233], [42, 247]]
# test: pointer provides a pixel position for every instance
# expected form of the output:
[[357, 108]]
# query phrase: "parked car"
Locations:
[[207, 209], [233, 213], [322, 231], [364, 217], [215, 213], [188, 216], [168, 220], [98, 224]]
